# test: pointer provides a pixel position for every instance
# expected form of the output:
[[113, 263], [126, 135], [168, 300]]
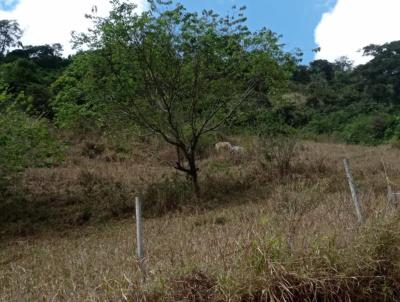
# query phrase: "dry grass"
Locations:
[[256, 236]]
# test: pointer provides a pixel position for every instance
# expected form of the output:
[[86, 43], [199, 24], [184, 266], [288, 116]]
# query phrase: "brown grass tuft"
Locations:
[[194, 287]]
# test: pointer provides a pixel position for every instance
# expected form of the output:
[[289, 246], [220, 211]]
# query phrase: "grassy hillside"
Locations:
[[138, 111], [262, 230]]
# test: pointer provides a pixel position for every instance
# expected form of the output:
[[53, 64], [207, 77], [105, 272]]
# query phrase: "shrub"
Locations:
[[279, 151], [104, 197], [79, 118], [24, 142], [169, 194], [369, 130], [92, 150], [328, 124], [272, 123]]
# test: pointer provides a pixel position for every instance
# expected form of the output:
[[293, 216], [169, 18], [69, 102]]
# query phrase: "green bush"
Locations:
[[370, 129], [327, 124], [24, 142], [77, 98], [396, 128], [271, 123], [354, 124]]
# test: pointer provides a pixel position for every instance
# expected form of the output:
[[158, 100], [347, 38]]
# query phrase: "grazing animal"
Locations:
[[223, 146], [237, 149]]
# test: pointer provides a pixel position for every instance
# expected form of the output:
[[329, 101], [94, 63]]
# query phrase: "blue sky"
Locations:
[[339, 27], [295, 20], [8, 5]]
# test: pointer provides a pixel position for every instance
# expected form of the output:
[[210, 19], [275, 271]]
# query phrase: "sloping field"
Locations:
[[258, 233]]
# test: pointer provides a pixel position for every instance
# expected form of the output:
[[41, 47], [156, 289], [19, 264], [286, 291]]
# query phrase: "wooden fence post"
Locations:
[[139, 239], [391, 195], [353, 190]]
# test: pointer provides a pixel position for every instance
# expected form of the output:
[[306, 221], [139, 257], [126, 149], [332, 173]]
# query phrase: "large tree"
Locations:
[[10, 35], [381, 76], [183, 75]]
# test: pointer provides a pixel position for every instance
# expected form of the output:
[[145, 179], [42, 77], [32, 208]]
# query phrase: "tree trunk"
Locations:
[[195, 183], [190, 170], [194, 176]]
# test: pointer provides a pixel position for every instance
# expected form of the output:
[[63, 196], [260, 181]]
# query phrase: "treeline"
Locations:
[[355, 104], [183, 76]]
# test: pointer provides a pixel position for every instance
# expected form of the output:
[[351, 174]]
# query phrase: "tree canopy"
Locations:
[[10, 35], [182, 75]]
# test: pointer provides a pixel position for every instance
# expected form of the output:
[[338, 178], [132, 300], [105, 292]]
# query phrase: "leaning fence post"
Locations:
[[353, 191], [391, 196], [139, 238]]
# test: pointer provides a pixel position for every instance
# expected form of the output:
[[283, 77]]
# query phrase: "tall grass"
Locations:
[[255, 234]]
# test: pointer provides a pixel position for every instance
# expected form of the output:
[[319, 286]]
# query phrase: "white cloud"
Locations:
[[353, 24], [52, 21]]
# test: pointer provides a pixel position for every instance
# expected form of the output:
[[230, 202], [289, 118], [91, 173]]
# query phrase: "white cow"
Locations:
[[223, 146], [237, 149], [226, 146]]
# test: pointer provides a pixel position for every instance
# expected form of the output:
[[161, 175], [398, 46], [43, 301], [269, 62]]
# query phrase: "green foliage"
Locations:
[[79, 97], [25, 142], [354, 104], [10, 34], [330, 123], [182, 75], [371, 129], [271, 123], [352, 125], [380, 76], [27, 74]]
